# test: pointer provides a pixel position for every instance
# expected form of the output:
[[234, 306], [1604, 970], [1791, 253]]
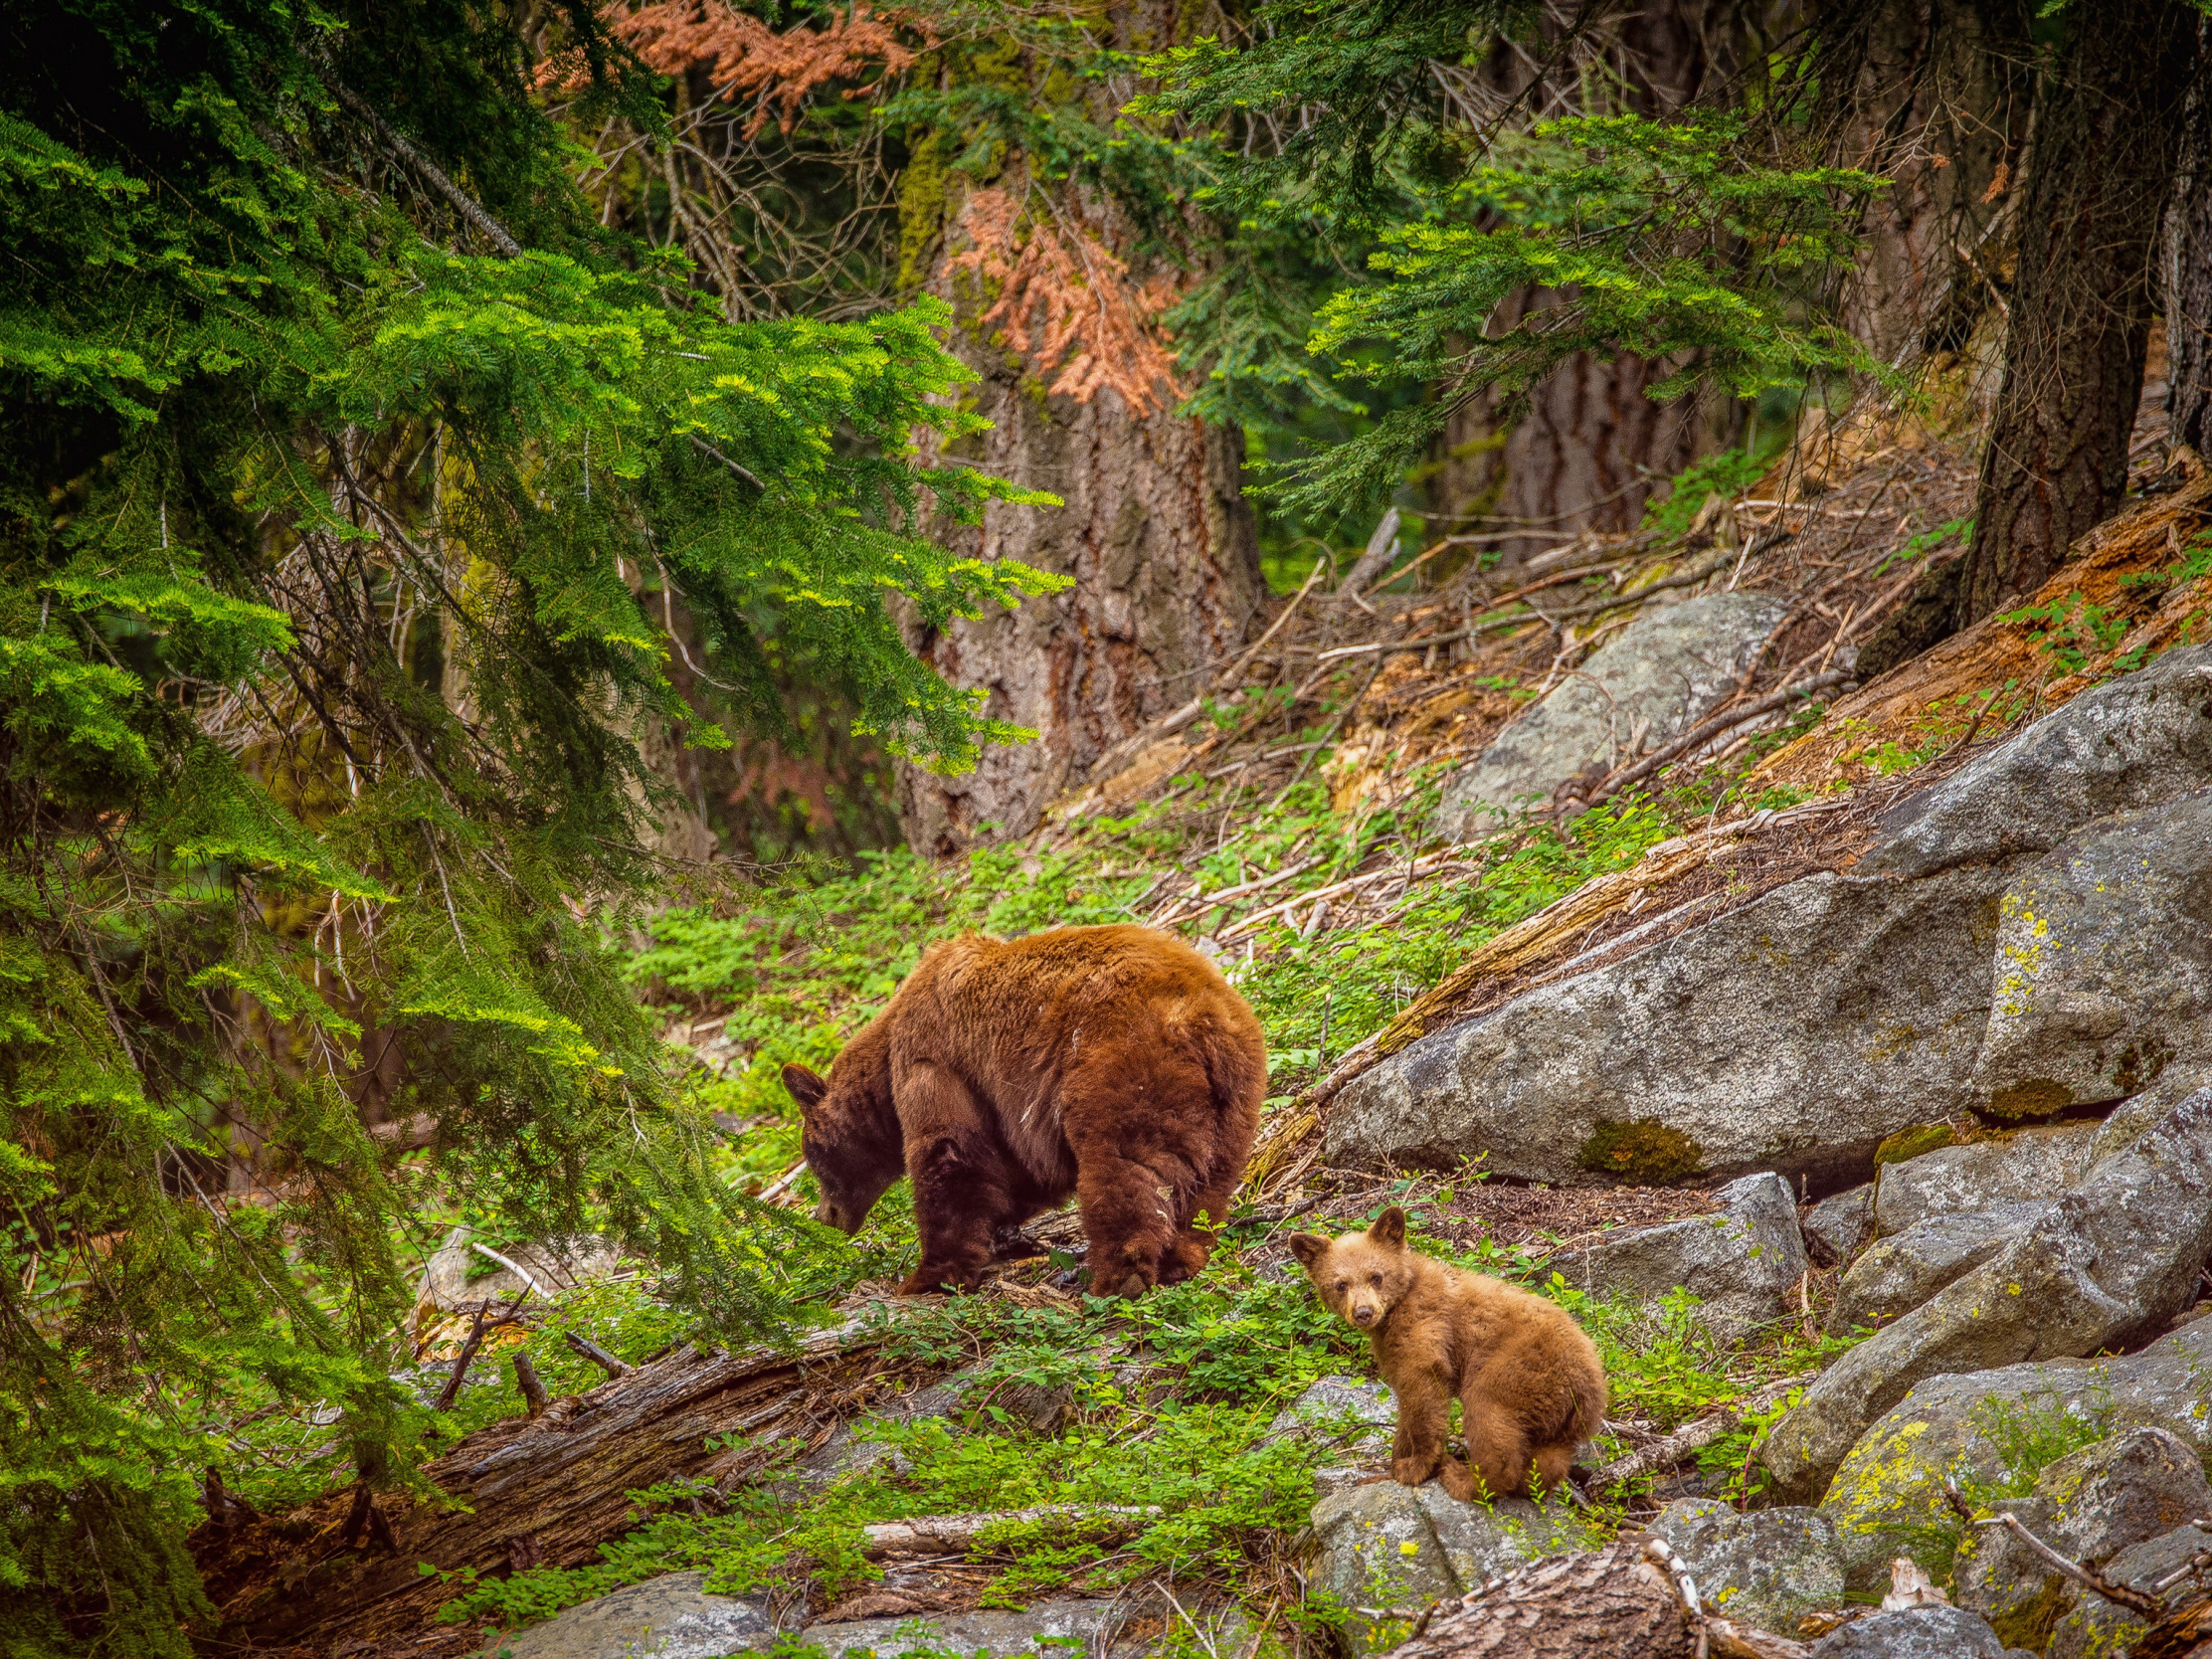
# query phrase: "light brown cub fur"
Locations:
[[1529, 1385]]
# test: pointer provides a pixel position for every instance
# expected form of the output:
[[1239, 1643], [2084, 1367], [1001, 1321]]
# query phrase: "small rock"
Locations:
[[1889, 1490], [1660, 675], [1920, 1634], [1385, 1551], [2135, 742], [2088, 1506], [1358, 1419], [1768, 1567], [1896, 1275], [2113, 1259], [2097, 1628], [2027, 1166], [1742, 1265], [1837, 1228], [671, 1617]]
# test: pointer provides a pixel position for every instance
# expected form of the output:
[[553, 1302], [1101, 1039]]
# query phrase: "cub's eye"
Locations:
[[1374, 1278], [1343, 1283]]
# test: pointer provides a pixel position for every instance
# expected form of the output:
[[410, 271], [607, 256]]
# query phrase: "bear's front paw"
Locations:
[[1413, 1471], [925, 1281]]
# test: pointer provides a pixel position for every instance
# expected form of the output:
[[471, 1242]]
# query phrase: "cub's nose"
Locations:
[[1362, 1315]]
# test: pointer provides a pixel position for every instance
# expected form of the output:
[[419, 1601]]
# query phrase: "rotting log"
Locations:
[[956, 1534], [535, 1490]]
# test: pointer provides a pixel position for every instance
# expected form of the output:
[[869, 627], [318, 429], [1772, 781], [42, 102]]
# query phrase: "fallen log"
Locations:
[[543, 1490], [957, 1534], [1692, 1437]]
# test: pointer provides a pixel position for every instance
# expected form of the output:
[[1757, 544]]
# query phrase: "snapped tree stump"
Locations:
[[539, 1491]]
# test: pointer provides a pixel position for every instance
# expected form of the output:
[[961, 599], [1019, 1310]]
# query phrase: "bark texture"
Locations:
[[2106, 145], [2188, 272], [1608, 1602], [1155, 531], [1587, 448], [545, 1490], [1935, 96]]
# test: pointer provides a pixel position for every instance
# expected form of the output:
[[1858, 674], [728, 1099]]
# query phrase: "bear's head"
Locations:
[[852, 1159], [1363, 1275]]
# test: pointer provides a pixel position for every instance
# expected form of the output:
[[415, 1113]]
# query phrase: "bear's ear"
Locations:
[[1308, 1247], [809, 1088], [1390, 1228]]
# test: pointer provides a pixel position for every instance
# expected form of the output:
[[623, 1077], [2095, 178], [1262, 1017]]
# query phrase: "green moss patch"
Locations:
[[1908, 1144], [1642, 1150]]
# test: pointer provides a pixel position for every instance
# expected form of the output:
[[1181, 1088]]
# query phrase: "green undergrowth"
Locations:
[[1169, 1401]]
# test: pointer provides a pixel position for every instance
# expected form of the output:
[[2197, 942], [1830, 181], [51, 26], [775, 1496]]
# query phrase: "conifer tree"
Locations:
[[349, 471]]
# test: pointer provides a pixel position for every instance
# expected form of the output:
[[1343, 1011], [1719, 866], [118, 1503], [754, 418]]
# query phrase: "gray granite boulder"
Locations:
[[459, 1276], [1385, 1551], [2104, 964], [2112, 1261], [1742, 1265], [2095, 1628], [2088, 1506], [1837, 1228], [1354, 1416], [1768, 1567], [1889, 1491], [2126, 1123], [1658, 677], [1794, 1034], [1005, 1633], [1920, 1634], [2022, 1166], [2135, 742], [671, 1617], [1896, 1275]]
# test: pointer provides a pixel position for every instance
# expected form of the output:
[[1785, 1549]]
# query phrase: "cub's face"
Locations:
[[1361, 1276]]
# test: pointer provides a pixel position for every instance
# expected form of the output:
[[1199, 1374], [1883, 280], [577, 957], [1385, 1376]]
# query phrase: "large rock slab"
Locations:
[[1837, 1228], [1793, 1034], [1353, 1418], [1385, 1551], [2126, 1123], [1896, 1275], [671, 1617], [2131, 743], [2105, 963], [2088, 1506], [1052, 1628], [1664, 672], [1889, 1491], [1920, 1633], [1742, 1265], [2113, 1260], [2019, 1167], [1770, 1567]]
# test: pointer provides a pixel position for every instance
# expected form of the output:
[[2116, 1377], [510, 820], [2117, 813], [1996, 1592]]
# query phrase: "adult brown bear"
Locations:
[[1111, 1063]]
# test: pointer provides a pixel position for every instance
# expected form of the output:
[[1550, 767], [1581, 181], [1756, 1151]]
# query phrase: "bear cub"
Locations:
[[1529, 1382]]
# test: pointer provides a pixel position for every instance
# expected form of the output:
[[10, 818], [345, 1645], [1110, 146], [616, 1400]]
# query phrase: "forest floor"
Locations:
[[1282, 822]]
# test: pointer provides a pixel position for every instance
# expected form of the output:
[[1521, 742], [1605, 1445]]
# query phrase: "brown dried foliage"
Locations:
[[747, 59], [1067, 299]]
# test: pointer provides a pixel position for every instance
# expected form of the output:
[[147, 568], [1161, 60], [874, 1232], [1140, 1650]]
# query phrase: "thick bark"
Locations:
[[1611, 1601], [544, 1490], [1933, 95], [2105, 150], [1589, 446], [1155, 531], [2188, 272]]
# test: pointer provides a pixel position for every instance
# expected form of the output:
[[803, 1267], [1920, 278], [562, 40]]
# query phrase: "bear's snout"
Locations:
[[830, 1215], [1363, 1312]]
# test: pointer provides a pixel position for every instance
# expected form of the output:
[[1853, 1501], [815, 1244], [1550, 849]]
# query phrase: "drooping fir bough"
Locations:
[[337, 552]]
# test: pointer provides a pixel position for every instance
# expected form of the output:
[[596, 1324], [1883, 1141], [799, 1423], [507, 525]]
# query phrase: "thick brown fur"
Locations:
[[1529, 1385], [1111, 1063]]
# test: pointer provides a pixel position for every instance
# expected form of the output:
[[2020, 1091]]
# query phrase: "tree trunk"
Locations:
[[1933, 95], [2188, 274], [1590, 445], [2103, 156], [1155, 531]]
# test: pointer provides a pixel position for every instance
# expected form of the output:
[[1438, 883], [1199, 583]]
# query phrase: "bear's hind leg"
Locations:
[[1497, 1447], [1549, 1466]]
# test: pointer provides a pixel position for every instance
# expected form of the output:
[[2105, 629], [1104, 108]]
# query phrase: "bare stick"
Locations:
[[2133, 1600], [1691, 1437], [533, 1391], [515, 1267], [782, 1182], [595, 1353], [452, 1391], [1726, 721], [463, 203], [955, 1535]]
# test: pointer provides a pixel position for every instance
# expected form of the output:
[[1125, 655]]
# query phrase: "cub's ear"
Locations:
[[1308, 1247], [1390, 1228], [809, 1088]]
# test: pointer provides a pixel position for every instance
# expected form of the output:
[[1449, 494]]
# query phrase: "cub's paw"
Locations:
[[1456, 1481], [1413, 1471]]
